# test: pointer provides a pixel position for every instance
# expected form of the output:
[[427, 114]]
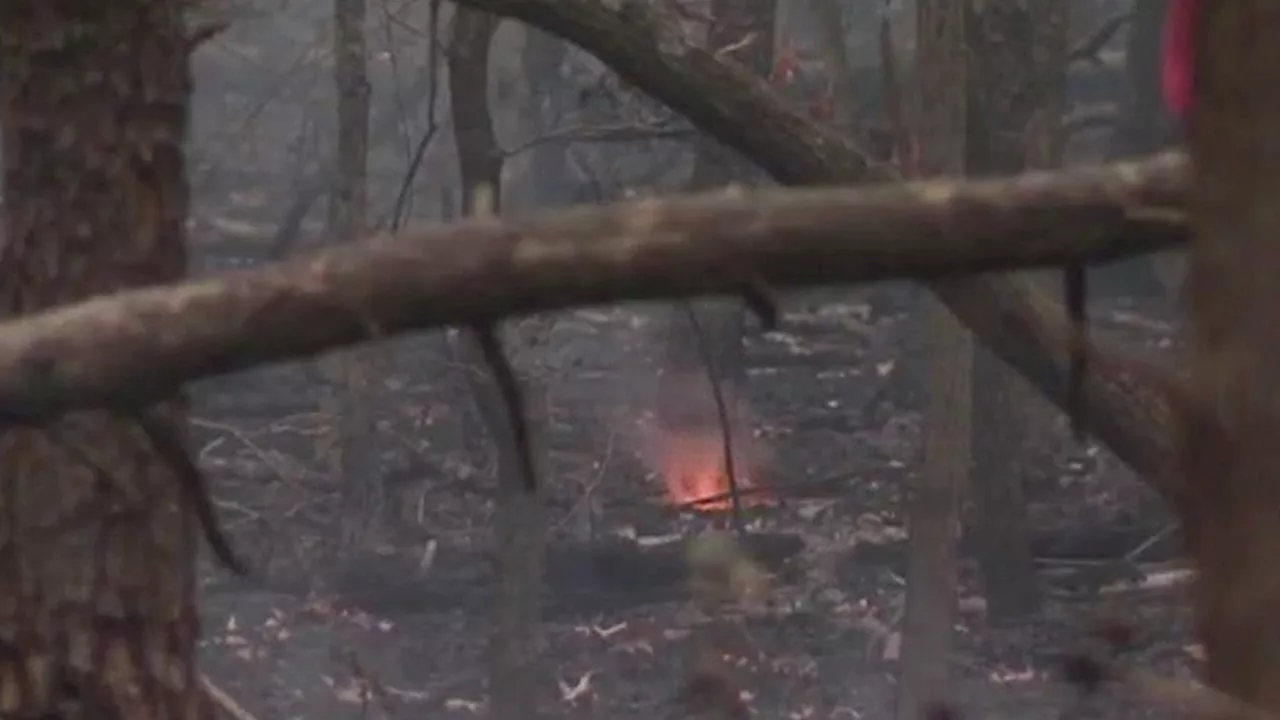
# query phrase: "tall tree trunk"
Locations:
[[1229, 448], [98, 612], [934, 498], [519, 520], [1016, 93], [353, 372]]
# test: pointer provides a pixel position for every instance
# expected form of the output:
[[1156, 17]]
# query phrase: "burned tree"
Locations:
[[98, 528]]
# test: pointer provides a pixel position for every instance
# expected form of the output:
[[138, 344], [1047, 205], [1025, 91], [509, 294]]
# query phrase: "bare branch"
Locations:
[[504, 377], [629, 132], [1090, 49], [167, 442], [142, 344]]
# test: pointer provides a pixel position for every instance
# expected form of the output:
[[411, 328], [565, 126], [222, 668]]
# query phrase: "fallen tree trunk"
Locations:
[[141, 344]]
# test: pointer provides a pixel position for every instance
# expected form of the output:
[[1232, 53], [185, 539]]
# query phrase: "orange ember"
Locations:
[[692, 468]]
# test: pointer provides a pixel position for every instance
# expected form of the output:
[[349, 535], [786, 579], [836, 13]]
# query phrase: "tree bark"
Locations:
[[1229, 451], [933, 505], [98, 611]]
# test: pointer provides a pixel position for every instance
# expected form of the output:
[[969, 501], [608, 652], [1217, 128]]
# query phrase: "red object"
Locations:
[[785, 65], [1177, 70], [823, 106]]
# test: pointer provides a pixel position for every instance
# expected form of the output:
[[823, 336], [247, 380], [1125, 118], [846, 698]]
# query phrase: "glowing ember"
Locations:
[[692, 468]]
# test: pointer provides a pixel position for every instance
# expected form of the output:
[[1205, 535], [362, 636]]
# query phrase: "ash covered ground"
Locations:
[[832, 415]]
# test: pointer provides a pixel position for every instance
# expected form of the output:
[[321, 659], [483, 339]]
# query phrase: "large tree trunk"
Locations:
[[1017, 93], [98, 612], [933, 507], [1230, 454]]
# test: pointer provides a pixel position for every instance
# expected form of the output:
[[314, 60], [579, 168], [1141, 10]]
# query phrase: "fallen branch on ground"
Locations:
[[140, 345]]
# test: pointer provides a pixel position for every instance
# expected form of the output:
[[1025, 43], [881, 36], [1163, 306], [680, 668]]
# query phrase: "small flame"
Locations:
[[692, 468]]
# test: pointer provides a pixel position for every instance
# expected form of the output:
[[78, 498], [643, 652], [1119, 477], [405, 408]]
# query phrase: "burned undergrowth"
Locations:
[[835, 433]]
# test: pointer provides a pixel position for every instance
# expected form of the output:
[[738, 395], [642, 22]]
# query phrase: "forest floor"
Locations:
[[404, 626]]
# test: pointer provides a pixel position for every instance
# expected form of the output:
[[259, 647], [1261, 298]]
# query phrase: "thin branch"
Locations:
[[722, 416], [401, 207], [508, 385], [1090, 49], [141, 345], [1075, 286], [629, 132], [168, 445]]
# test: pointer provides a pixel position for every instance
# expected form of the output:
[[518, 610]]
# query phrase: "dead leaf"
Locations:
[[606, 633], [571, 693], [892, 649], [463, 704]]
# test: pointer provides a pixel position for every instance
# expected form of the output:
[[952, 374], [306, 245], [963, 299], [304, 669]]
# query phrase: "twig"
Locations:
[[224, 700], [722, 415], [1143, 546], [398, 211], [204, 32], [170, 449], [1075, 292], [166, 441], [1089, 48], [583, 503], [761, 303], [508, 385], [253, 447]]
